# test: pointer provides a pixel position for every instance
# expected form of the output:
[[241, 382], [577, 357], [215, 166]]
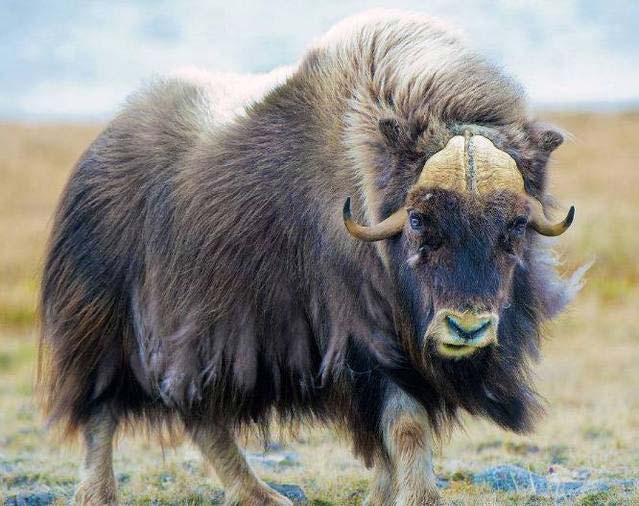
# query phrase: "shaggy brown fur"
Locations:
[[198, 269]]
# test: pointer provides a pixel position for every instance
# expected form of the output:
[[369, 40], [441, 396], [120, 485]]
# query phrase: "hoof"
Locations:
[[262, 496], [379, 498], [427, 498], [95, 494]]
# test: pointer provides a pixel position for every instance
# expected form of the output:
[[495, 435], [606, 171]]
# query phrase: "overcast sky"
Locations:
[[79, 59]]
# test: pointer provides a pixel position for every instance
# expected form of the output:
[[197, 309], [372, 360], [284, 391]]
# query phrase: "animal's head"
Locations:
[[466, 223]]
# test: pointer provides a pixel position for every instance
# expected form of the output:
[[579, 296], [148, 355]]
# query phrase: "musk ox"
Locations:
[[204, 272]]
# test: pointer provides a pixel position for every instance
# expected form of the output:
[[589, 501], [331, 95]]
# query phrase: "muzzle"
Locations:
[[458, 334]]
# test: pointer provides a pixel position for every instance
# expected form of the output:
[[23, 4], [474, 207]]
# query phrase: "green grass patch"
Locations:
[[17, 355]]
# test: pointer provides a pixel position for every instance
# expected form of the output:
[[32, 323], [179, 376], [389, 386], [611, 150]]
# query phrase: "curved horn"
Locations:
[[391, 226], [540, 223]]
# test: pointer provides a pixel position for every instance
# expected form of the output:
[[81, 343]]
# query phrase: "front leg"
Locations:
[[408, 440]]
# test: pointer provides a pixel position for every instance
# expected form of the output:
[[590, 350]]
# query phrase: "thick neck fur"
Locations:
[[304, 148], [343, 143]]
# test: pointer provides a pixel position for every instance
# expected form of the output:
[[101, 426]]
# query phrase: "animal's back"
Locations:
[[117, 203], [251, 254]]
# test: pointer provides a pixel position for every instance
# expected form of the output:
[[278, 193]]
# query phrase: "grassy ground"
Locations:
[[589, 374]]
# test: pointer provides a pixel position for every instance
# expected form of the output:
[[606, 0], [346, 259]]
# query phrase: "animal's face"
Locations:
[[462, 250], [464, 223]]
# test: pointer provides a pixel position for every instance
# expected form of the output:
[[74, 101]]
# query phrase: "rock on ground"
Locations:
[[293, 492], [509, 478], [31, 499]]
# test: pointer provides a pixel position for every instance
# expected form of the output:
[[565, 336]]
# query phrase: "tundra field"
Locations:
[[589, 374]]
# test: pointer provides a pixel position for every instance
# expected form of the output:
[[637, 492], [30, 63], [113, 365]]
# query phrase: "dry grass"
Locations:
[[589, 375]]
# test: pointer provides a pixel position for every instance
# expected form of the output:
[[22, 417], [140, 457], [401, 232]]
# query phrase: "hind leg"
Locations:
[[381, 492], [241, 486], [98, 482]]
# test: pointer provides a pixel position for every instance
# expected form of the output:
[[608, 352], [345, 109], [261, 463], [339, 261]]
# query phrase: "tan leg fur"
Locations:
[[382, 492], [408, 441], [241, 486], [97, 486]]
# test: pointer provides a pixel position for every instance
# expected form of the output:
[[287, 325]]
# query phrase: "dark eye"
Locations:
[[518, 226], [416, 221], [516, 230]]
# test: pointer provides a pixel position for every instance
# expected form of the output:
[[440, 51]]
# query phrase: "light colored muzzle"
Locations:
[[458, 334]]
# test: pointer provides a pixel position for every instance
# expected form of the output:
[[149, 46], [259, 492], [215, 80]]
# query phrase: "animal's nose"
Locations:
[[468, 326], [458, 334]]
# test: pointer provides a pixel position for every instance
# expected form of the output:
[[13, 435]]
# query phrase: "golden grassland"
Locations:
[[589, 374]]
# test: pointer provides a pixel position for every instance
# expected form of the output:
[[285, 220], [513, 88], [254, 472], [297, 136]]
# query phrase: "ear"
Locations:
[[550, 140], [546, 137], [391, 130]]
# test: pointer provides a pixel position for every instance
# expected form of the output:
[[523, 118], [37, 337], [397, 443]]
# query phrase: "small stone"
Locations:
[[293, 492], [509, 478], [594, 487], [566, 488], [625, 485], [123, 477], [561, 483], [606, 485], [442, 483], [31, 499]]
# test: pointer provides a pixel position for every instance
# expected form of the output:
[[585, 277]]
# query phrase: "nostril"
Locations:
[[466, 332], [480, 329], [457, 329], [452, 324]]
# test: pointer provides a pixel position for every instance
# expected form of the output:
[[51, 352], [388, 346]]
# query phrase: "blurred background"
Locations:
[[65, 68], [78, 60]]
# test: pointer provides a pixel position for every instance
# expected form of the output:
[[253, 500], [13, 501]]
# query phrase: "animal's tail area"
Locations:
[[82, 357], [80, 345]]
